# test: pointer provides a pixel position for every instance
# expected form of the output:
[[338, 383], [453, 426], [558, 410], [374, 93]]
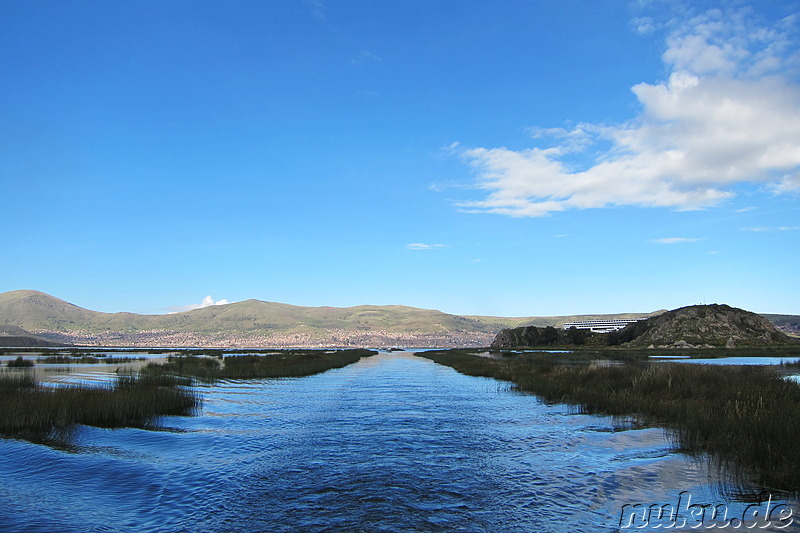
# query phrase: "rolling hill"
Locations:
[[256, 323]]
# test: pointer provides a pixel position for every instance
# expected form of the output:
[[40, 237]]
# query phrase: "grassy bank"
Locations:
[[28, 408], [279, 364], [745, 418]]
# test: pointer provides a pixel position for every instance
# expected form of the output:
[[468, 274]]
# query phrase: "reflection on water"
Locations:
[[105, 369], [392, 443]]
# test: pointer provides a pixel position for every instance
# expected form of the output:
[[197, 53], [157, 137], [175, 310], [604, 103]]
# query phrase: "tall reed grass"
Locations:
[[29, 408], [745, 418]]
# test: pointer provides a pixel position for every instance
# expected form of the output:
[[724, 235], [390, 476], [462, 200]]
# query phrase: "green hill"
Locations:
[[32, 310]]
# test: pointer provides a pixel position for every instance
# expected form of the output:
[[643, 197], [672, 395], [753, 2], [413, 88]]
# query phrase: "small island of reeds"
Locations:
[[20, 362]]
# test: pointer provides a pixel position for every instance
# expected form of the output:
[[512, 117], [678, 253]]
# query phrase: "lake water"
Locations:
[[727, 360], [394, 442]]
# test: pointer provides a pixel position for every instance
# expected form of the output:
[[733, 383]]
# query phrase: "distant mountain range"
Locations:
[[258, 324]]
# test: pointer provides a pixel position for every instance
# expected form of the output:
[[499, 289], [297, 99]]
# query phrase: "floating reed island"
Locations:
[[745, 419]]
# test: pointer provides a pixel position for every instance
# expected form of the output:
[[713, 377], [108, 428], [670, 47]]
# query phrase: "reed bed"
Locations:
[[280, 364], [28, 408], [745, 418]]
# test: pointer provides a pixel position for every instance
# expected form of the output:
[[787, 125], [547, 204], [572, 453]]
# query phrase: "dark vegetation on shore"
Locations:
[[745, 418], [31, 410], [278, 364]]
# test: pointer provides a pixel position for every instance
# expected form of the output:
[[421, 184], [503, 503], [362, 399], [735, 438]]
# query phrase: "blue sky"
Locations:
[[516, 158]]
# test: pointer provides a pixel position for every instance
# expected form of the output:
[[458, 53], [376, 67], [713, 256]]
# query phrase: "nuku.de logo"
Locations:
[[685, 514]]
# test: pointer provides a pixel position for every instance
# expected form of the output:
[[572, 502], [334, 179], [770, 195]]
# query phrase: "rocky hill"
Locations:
[[704, 325], [693, 326]]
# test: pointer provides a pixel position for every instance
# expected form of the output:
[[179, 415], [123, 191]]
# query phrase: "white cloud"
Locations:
[[643, 25], [208, 301], [440, 186], [422, 246], [787, 184], [761, 229], [728, 114], [756, 230], [674, 240]]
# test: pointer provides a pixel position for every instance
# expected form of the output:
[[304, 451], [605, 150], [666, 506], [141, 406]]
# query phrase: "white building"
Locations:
[[602, 326]]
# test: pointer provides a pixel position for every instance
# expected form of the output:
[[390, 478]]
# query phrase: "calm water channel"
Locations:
[[392, 443]]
